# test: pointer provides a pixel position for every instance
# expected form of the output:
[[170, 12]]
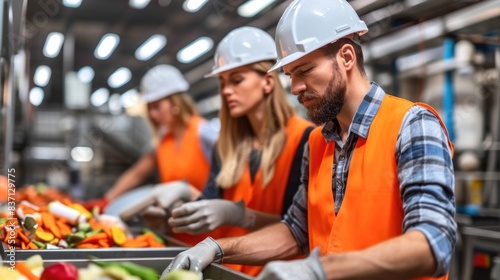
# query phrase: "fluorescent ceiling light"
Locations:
[[82, 154], [53, 44], [114, 104], [120, 77], [42, 75], [106, 46], [36, 96], [86, 74], [129, 98], [99, 97], [72, 3], [151, 47], [138, 4], [253, 7], [195, 49], [193, 6], [48, 153]]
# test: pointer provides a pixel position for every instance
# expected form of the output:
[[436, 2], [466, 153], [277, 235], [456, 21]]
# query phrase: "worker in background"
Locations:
[[183, 154], [256, 168], [377, 193]]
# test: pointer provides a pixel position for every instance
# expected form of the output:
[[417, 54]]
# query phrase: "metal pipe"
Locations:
[[491, 186], [448, 93]]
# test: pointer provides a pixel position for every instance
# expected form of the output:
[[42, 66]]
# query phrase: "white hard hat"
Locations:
[[307, 25], [161, 81], [242, 46]]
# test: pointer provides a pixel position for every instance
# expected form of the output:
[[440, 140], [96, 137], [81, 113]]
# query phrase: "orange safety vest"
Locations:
[[269, 199], [371, 210], [184, 162]]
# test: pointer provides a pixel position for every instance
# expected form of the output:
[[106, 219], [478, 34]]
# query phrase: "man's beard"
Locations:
[[326, 108]]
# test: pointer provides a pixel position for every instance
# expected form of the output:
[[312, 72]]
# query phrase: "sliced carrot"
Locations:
[[131, 243], [95, 225], [23, 237], [145, 236], [24, 269], [32, 245], [48, 220], [23, 246], [103, 243], [66, 201], [94, 238], [153, 243], [8, 236], [86, 246], [64, 228]]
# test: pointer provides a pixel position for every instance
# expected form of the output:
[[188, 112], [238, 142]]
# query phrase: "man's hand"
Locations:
[[169, 193], [197, 258], [308, 268], [206, 215]]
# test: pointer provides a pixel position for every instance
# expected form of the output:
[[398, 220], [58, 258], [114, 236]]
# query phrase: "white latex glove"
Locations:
[[309, 268], [169, 193], [197, 257], [206, 215]]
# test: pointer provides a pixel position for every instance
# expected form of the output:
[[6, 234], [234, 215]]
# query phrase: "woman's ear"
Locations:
[[269, 83]]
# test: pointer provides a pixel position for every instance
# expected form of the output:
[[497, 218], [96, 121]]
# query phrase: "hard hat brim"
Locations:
[[228, 67]]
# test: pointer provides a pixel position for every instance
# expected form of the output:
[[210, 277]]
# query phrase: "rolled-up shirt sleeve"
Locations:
[[425, 171], [296, 217]]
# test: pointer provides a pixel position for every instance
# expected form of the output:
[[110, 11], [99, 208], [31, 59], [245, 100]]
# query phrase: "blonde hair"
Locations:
[[236, 134], [186, 109]]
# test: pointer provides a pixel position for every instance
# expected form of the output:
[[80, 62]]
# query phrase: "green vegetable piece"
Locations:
[[84, 227], [93, 232], [39, 244], [41, 188], [145, 273], [3, 221], [75, 237], [116, 272]]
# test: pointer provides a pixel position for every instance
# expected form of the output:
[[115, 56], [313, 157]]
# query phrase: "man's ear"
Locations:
[[269, 83], [347, 56]]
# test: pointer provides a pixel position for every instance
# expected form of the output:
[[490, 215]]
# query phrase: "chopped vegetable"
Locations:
[[145, 273], [60, 271], [44, 235], [25, 270], [118, 235]]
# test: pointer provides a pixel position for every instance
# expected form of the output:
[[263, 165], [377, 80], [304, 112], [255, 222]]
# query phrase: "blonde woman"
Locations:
[[183, 154], [256, 170]]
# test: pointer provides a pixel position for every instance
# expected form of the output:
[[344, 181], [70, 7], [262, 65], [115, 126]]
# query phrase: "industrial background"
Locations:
[[72, 118]]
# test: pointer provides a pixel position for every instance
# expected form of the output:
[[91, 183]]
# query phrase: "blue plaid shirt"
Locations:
[[426, 179]]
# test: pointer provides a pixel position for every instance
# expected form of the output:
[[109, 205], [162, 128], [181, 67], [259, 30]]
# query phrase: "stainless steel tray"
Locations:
[[173, 248], [105, 253], [213, 271]]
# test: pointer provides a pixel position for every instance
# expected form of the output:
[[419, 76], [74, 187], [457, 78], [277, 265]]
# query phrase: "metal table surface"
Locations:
[[212, 272], [111, 253]]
